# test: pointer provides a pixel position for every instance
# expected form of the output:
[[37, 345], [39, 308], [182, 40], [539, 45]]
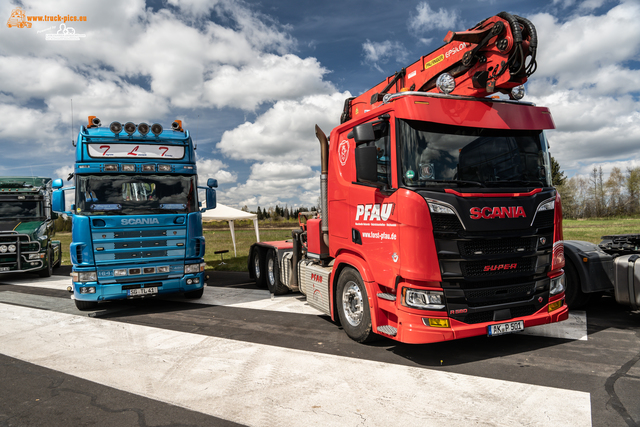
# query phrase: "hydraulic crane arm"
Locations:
[[496, 55]]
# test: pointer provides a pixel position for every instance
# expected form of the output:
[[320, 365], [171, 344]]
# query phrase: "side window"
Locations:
[[382, 144]]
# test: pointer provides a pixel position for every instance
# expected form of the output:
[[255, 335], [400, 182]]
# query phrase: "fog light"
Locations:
[[422, 299], [164, 168], [557, 285], [120, 272], [128, 168], [110, 167], [87, 290], [195, 281], [436, 323], [555, 305], [189, 281], [115, 127], [446, 83], [11, 248], [3, 248], [518, 92], [149, 168]]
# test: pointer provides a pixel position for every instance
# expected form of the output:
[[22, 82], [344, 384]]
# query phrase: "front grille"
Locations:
[[79, 254], [497, 246], [477, 268], [445, 222], [544, 219], [198, 247], [489, 293], [524, 310], [487, 316]]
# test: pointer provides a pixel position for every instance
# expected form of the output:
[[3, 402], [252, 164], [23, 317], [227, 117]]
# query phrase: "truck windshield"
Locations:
[[20, 209], [440, 156], [135, 194]]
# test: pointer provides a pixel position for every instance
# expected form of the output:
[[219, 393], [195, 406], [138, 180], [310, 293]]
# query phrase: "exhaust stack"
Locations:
[[324, 165]]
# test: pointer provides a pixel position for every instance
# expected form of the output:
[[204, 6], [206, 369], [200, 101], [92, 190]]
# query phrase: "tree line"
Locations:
[[594, 196], [279, 213]]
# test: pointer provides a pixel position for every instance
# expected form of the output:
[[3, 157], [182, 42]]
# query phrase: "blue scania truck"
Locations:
[[137, 222]]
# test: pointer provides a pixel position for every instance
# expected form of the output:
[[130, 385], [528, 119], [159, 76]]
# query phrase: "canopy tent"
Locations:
[[225, 213]]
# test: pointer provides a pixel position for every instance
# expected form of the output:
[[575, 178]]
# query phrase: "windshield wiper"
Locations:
[[456, 181]]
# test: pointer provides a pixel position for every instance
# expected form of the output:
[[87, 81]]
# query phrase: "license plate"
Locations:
[[5, 268], [505, 328], [142, 291]]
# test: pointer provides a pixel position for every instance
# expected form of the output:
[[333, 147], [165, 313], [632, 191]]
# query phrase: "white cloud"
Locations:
[[280, 171], [376, 53], [63, 173], [285, 132], [427, 19], [214, 168]]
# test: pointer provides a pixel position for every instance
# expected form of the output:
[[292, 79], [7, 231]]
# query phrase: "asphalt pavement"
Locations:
[[240, 356]]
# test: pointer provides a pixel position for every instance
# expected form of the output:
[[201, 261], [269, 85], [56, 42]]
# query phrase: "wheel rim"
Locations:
[[270, 272], [352, 303], [256, 265]]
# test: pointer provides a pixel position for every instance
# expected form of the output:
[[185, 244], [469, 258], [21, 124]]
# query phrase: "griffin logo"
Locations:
[[498, 267], [497, 212]]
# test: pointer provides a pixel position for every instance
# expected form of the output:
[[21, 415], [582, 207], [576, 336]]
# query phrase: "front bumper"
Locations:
[[119, 291]]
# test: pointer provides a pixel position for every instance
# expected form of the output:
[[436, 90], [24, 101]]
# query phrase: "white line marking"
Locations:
[[261, 385]]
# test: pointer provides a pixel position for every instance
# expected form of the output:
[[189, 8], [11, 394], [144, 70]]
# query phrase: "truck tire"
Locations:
[[194, 294], [48, 270], [353, 306], [274, 284], [259, 269], [573, 294], [85, 305]]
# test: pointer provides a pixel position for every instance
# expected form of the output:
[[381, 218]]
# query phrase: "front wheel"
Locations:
[[194, 294], [353, 306], [48, 270], [86, 305], [273, 274]]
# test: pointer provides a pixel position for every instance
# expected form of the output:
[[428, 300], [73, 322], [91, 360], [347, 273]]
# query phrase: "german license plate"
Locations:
[[141, 291], [5, 268], [505, 328]]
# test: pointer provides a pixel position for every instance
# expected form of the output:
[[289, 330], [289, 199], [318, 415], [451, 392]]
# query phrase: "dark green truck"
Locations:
[[26, 226]]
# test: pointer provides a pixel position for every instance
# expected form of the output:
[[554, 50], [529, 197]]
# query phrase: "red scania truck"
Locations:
[[438, 217]]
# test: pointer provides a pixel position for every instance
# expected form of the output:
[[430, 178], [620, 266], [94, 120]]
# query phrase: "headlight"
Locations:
[[85, 276], [12, 248], [440, 209], [164, 269], [518, 92], [192, 268], [3, 248], [425, 300], [34, 256], [557, 285], [446, 83]]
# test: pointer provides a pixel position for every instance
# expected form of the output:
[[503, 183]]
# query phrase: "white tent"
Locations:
[[225, 213]]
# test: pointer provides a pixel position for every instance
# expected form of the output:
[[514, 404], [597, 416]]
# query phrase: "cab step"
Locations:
[[388, 330]]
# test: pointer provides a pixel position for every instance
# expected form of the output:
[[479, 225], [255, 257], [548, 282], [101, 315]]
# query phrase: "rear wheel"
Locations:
[[258, 268], [353, 306], [194, 294], [48, 270], [86, 305], [273, 274], [573, 294]]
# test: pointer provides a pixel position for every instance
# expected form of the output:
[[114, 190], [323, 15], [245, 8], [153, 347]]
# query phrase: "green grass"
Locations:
[[220, 239], [592, 230]]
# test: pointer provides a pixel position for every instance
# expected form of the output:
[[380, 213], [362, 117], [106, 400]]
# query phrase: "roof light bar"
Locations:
[[143, 128]]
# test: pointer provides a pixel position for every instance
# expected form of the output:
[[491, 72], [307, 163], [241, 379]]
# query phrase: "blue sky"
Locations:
[[250, 79]]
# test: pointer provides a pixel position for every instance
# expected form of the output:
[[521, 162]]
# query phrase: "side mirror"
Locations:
[[363, 133], [57, 183], [212, 183], [367, 164], [211, 198], [57, 200]]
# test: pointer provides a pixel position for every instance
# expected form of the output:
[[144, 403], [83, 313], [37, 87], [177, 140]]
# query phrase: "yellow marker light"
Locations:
[[555, 305], [436, 323], [585, 259]]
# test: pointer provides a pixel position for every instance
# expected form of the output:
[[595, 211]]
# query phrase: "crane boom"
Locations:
[[495, 55]]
